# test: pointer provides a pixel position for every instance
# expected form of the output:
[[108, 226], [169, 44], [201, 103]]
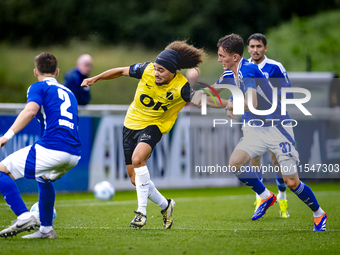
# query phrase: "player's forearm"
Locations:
[[111, 74], [218, 90], [22, 120], [211, 103]]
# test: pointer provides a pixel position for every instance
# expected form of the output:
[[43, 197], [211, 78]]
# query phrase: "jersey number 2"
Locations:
[[64, 106]]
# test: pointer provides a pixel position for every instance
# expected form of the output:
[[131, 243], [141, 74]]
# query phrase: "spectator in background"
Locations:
[[75, 76]]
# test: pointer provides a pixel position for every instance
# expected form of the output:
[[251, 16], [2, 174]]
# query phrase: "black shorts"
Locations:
[[150, 135]]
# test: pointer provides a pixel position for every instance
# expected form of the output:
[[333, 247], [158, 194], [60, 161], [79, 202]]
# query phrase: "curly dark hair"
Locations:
[[190, 56]]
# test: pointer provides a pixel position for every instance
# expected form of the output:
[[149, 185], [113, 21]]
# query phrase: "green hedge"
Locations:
[[291, 43], [307, 44]]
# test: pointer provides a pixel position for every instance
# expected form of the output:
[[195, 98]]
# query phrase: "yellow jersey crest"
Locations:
[[155, 105]]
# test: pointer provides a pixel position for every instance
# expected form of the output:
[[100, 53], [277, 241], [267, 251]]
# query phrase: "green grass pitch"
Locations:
[[206, 221]]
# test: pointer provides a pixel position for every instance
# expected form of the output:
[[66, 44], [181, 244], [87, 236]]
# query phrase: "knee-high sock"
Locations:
[[307, 196], [156, 197], [259, 174], [46, 202], [248, 176], [11, 194], [281, 185], [142, 180]]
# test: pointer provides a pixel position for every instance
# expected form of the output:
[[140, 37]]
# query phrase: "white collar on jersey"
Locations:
[[49, 78], [236, 77], [239, 65], [262, 64]]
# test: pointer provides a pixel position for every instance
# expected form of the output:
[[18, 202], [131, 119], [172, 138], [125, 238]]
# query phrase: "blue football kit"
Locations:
[[53, 155], [58, 116], [276, 74], [279, 139]]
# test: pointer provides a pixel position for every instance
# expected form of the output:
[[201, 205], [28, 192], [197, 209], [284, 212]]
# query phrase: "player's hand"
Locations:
[[197, 98], [87, 82], [3, 141], [230, 114], [229, 106]]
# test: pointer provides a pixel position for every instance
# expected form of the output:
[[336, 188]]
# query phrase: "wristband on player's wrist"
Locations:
[[9, 134]]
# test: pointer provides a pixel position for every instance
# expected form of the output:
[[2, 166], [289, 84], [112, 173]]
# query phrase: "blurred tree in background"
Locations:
[[302, 35], [150, 23]]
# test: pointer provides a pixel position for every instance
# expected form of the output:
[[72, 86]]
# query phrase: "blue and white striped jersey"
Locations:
[[250, 76], [58, 115], [276, 73]]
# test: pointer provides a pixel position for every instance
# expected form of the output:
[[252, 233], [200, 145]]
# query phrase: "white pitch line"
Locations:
[[72, 203], [94, 202], [194, 229]]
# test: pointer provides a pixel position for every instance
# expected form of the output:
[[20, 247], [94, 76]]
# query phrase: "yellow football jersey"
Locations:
[[155, 105]]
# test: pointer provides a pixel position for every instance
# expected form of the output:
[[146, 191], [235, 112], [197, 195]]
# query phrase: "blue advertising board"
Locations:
[[318, 142]]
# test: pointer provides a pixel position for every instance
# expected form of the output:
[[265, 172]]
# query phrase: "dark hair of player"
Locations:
[[46, 63], [258, 37], [232, 43], [190, 56]]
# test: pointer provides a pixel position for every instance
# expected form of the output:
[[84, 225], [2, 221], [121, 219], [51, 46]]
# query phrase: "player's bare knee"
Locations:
[[234, 164], [138, 161], [292, 183], [4, 169]]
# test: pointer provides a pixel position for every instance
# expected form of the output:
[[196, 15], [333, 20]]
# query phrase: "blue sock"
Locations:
[[307, 196], [259, 174], [11, 194], [249, 178], [46, 202], [281, 185]]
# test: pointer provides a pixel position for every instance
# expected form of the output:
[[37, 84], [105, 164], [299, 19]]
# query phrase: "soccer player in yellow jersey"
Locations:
[[161, 93]]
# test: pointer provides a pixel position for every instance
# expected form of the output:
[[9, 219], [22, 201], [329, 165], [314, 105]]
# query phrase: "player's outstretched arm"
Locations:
[[107, 75], [211, 102], [25, 117], [196, 99], [229, 107]]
